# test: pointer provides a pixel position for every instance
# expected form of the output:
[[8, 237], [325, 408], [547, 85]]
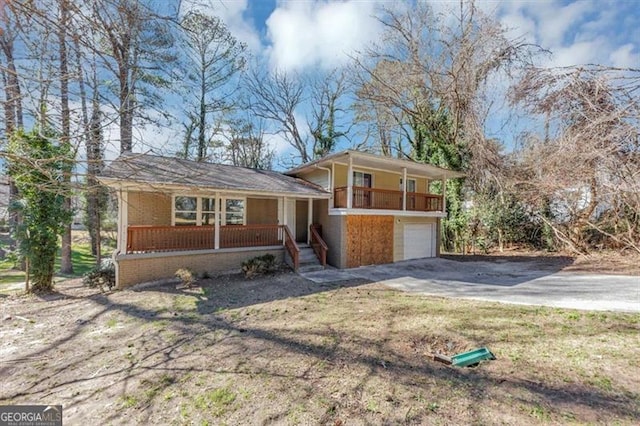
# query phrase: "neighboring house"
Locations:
[[365, 209]]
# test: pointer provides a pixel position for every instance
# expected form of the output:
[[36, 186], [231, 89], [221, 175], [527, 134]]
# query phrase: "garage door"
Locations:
[[419, 240]]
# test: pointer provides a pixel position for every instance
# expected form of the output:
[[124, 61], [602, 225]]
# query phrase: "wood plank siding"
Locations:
[[369, 240]]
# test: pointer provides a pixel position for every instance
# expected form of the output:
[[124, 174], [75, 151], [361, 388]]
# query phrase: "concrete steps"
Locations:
[[308, 261]]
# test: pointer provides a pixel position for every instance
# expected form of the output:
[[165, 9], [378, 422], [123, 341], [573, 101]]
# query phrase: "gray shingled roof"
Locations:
[[152, 169]]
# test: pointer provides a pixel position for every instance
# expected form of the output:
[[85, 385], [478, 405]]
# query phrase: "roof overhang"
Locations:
[[366, 160], [130, 185]]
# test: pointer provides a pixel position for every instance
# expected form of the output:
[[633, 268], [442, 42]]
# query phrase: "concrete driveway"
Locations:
[[521, 282]]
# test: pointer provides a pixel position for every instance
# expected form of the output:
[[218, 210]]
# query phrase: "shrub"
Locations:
[[101, 276], [186, 276], [259, 265]]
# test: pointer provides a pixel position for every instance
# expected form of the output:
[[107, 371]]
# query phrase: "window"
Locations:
[[208, 215], [362, 179], [234, 211], [186, 211], [200, 211], [411, 185]]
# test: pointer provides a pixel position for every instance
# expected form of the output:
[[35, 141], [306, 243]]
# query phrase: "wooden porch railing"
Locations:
[[292, 247], [340, 197], [386, 199], [424, 202], [318, 244], [145, 239], [250, 236]]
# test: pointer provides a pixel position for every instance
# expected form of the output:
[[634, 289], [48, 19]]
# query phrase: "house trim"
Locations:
[[378, 212], [202, 192]]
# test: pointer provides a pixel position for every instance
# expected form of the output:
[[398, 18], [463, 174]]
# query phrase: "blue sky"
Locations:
[[307, 35], [303, 34]]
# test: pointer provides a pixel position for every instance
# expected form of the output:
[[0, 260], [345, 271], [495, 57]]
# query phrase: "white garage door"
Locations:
[[419, 240]]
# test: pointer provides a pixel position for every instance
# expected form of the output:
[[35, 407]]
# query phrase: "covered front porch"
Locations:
[[153, 222]]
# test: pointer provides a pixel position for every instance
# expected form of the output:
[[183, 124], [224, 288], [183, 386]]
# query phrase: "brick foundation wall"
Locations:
[[139, 268]]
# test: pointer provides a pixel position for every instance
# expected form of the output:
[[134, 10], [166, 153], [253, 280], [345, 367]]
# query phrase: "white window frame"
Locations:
[[198, 211], [363, 172], [223, 208], [415, 184], [201, 211], [173, 208]]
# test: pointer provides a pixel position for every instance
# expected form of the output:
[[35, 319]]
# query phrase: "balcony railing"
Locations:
[[146, 239], [386, 199]]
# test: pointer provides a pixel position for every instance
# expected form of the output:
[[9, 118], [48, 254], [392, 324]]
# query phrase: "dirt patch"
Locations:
[[282, 350], [603, 262]]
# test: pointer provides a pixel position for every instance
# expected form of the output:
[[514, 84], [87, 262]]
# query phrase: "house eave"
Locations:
[[382, 212], [363, 159], [128, 185]]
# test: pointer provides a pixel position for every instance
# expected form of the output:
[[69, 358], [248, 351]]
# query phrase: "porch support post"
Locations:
[[350, 183], [216, 222], [333, 185], [123, 220], [404, 188], [309, 219], [444, 194], [284, 215], [281, 211]]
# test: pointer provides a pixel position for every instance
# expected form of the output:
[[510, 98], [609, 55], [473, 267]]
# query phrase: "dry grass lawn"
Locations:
[[282, 350]]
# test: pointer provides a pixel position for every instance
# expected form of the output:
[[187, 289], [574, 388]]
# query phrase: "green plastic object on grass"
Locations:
[[472, 357]]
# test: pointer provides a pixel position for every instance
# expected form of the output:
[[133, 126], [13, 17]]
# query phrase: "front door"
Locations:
[[290, 221], [302, 207]]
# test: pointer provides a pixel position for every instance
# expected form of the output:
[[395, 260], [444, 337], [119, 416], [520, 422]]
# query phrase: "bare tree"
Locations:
[[329, 116], [426, 79], [310, 113], [66, 264], [585, 171], [275, 97], [137, 49], [13, 97], [12, 105], [245, 145], [213, 58]]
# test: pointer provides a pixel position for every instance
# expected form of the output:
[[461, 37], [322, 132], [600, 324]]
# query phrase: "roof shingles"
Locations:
[[152, 169]]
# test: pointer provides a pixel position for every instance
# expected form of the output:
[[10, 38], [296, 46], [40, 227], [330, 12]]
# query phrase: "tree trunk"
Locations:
[[13, 114], [126, 120], [66, 264], [202, 119]]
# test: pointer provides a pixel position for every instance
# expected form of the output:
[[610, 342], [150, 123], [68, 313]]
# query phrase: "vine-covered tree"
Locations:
[[39, 162]]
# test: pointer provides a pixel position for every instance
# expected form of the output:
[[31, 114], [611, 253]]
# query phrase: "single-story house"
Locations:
[[348, 209]]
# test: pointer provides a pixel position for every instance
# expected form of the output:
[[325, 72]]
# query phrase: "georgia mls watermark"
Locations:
[[30, 415]]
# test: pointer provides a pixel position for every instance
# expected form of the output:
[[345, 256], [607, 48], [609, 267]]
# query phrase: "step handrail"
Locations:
[[292, 247], [319, 246]]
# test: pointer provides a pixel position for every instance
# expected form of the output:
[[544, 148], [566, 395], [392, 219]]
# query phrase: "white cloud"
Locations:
[[319, 33], [554, 23], [584, 52], [518, 25], [624, 56], [232, 12], [578, 32]]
